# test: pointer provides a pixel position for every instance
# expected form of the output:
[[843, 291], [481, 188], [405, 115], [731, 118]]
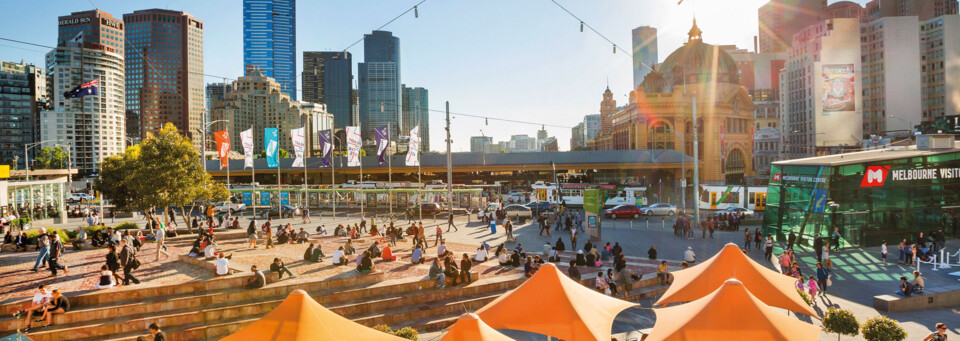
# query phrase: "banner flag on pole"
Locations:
[[326, 147], [413, 150], [246, 140], [298, 142], [383, 140], [223, 147], [271, 140], [353, 146]]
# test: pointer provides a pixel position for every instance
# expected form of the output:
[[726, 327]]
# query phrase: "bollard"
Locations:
[[663, 223], [631, 224], [648, 224]]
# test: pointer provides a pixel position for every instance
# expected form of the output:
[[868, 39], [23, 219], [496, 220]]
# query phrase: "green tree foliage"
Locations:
[[283, 154], [50, 158], [161, 172], [882, 328], [842, 322]]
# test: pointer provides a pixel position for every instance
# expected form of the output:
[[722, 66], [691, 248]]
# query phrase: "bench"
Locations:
[[931, 298]]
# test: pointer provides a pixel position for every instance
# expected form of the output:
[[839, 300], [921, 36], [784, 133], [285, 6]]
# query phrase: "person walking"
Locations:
[[56, 250], [822, 276], [450, 223], [438, 237], [747, 239], [939, 334], [768, 244], [791, 239], [757, 238], [113, 263], [836, 239], [43, 243], [128, 260], [160, 236]]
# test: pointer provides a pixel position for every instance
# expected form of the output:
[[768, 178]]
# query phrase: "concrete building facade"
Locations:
[[23, 91]]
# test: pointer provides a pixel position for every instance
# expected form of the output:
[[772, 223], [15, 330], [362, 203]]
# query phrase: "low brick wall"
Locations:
[[931, 298]]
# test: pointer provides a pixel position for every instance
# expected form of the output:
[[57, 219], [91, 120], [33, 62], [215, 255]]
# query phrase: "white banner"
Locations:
[[413, 150], [246, 140], [353, 146], [298, 142]]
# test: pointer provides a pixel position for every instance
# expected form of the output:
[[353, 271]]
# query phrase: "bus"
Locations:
[[724, 197], [572, 194]]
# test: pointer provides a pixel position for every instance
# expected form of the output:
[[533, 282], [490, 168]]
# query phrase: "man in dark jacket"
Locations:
[[127, 260], [792, 238], [56, 249], [817, 246]]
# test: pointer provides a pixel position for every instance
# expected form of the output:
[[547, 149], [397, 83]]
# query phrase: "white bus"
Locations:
[[724, 197], [572, 194]]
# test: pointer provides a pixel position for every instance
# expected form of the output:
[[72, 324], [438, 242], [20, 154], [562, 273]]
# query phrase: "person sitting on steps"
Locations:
[[339, 257]]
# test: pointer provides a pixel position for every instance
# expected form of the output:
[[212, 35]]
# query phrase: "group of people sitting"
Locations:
[[908, 288], [449, 268], [45, 304]]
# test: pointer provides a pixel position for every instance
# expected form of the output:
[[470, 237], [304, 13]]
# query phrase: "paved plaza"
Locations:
[[858, 273]]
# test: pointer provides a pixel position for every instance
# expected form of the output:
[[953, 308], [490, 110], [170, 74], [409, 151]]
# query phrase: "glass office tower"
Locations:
[[380, 99], [270, 40]]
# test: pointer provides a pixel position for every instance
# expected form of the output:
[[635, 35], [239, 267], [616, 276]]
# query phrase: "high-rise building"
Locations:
[[644, 52], [541, 137], [164, 71], [214, 92], [890, 60], [821, 89], [578, 136], [844, 9], [924, 9], [270, 40], [255, 101], [522, 143], [381, 93], [23, 90], [591, 127], [92, 126], [416, 112], [940, 46], [328, 79], [478, 144], [781, 19]]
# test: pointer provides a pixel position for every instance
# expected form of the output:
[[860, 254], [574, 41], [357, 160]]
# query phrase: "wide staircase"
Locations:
[[212, 309]]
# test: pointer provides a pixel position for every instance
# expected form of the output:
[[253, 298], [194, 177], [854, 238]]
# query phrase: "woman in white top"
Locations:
[[502, 257], [481, 255]]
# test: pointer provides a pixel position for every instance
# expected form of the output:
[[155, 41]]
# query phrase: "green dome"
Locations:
[[695, 59]]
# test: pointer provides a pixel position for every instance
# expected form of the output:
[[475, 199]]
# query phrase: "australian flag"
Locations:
[[88, 88]]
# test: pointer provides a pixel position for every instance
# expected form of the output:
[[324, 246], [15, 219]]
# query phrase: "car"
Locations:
[[660, 209], [226, 206], [621, 211], [79, 197], [427, 209], [747, 213], [286, 211], [518, 197], [488, 211], [518, 211], [540, 206]]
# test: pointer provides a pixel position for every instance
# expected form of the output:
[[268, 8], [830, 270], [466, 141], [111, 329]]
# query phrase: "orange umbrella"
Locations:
[[769, 286], [470, 327], [551, 303], [299, 317], [729, 313]]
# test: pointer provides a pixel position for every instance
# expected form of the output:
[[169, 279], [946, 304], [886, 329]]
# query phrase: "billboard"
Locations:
[[839, 90]]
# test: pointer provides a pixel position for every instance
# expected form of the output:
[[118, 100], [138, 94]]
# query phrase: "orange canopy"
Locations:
[[769, 286], [299, 317], [551, 303], [470, 327], [729, 313]]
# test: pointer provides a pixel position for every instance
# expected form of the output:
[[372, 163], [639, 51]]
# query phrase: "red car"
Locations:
[[621, 211]]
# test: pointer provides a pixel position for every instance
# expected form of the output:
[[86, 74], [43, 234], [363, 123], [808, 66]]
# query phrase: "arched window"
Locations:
[[661, 136], [735, 162]]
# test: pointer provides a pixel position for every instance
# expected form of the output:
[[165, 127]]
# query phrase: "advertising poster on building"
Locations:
[[247, 198], [265, 199], [839, 91]]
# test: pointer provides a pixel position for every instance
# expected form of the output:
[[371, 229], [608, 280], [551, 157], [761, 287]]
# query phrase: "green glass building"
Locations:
[[869, 196]]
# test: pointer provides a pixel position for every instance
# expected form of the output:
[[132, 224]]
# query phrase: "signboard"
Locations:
[[265, 199], [819, 200], [587, 186], [284, 198], [4, 171], [591, 200], [248, 198], [839, 92]]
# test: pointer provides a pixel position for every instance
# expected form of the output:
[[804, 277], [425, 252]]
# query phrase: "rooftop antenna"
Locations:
[[94, 5]]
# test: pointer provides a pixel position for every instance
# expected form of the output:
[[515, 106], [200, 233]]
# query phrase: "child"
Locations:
[[800, 285], [883, 251], [813, 289]]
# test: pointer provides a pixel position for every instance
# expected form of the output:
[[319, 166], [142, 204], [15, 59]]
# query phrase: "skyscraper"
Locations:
[[23, 92], [644, 52], [416, 111], [924, 9], [328, 79], [781, 19], [94, 125], [270, 40], [164, 73], [380, 98]]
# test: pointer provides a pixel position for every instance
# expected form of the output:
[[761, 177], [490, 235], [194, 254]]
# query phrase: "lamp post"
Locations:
[[203, 141], [483, 148], [683, 171]]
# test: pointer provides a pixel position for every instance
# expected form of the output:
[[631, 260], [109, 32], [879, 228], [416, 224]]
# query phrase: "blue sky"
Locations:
[[516, 59]]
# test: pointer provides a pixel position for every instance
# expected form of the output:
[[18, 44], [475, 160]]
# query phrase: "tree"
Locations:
[[882, 328], [50, 158], [842, 322], [283, 154], [161, 172]]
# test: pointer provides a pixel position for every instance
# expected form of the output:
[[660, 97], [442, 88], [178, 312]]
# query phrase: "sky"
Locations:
[[522, 60]]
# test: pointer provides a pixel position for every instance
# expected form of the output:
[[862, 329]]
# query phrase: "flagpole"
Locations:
[[360, 158], [227, 134], [279, 202], [253, 178]]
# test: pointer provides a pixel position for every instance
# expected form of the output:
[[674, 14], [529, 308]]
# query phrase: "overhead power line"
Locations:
[[587, 25], [416, 14]]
